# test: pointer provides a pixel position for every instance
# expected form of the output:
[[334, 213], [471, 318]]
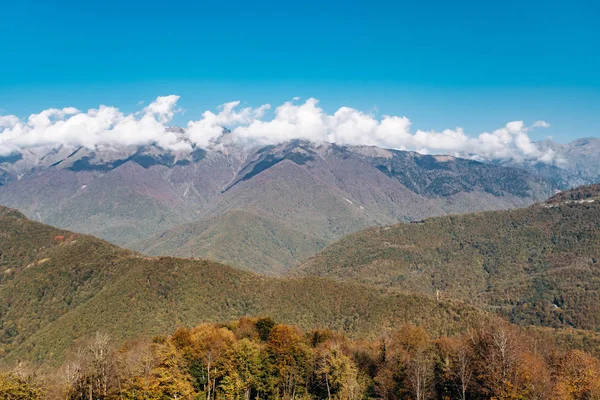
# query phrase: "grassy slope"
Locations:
[[539, 265]]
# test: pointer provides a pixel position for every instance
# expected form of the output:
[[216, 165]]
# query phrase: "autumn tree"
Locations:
[[498, 347], [339, 373], [407, 364], [102, 370], [91, 372], [288, 356], [71, 376], [454, 367], [533, 378], [20, 384], [136, 363], [242, 369], [578, 376], [210, 343], [165, 380], [416, 361]]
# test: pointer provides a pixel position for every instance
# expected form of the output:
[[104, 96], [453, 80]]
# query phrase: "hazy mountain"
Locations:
[[577, 163], [537, 265], [280, 203], [580, 157]]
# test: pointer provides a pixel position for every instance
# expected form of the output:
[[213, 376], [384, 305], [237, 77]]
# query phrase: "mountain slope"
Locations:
[[300, 195], [58, 287], [537, 265], [45, 273], [120, 197], [237, 237], [325, 192]]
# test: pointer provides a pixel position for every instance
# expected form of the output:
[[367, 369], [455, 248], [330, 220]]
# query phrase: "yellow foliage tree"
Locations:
[[14, 387], [578, 377]]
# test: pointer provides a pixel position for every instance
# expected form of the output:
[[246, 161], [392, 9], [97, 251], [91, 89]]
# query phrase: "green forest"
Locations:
[[535, 265], [497, 305]]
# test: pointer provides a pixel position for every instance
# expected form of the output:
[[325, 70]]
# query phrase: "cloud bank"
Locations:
[[107, 126]]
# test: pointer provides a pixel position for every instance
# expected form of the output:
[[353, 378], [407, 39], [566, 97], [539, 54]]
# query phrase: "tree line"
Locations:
[[256, 358]]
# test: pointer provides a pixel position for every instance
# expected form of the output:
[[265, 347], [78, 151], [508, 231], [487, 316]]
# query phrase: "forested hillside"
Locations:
[[537, 265], [58, 287], [389, 307], [254, 358]]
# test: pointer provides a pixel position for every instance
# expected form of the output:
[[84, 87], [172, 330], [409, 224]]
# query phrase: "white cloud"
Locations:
[[210, 127], [249, 126], [163, 108], [541, 124], [101, 126], [8, 121]]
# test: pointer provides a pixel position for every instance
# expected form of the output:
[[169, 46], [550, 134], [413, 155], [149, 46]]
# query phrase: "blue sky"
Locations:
[[474, 64]]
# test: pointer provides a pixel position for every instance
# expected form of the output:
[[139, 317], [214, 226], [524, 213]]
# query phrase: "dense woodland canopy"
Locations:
[[537, 265], [256, 358], [57, 287], [422, 322]]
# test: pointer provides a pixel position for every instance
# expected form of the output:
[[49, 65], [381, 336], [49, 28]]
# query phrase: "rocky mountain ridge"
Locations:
[[287, 200]]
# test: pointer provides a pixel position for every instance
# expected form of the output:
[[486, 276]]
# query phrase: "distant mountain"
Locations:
[[536, 265], [319, 193], [57, 287], [578, 163], [580, 158], [280, 204], [120, 194]]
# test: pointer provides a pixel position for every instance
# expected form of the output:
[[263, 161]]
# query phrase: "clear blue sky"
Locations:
[[477, 64]]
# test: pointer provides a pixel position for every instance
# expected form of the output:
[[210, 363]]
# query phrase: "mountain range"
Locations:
[[266, 208]]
